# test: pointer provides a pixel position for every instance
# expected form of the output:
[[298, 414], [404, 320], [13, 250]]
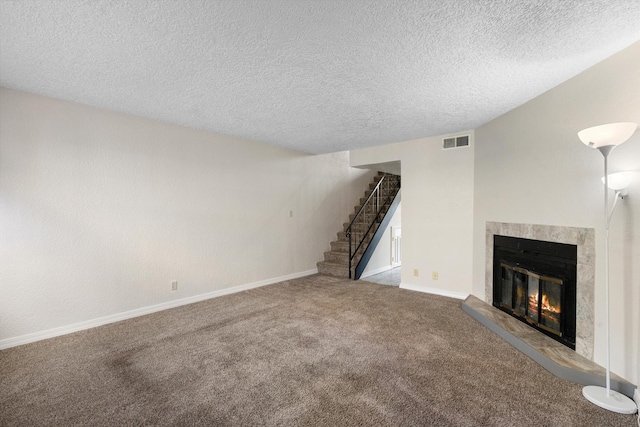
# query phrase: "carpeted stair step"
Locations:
[[342, 235], [340, 246], [359, 231], [366, 220], [340, 254], [367, 216], [337, 257], [363, 200], [358, 226], [384, 192], [333, 269]]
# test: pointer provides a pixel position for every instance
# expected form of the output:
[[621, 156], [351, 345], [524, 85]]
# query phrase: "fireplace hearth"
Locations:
[[535, 282]]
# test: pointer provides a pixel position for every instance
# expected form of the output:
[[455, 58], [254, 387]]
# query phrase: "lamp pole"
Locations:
[[607, 217], [605, 138]]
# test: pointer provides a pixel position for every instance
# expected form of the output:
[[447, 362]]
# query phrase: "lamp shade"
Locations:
[[619, 181], [611, 134]]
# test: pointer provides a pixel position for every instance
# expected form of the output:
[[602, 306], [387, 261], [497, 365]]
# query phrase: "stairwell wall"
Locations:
[[380, 260], [100, 211], [437, 211]]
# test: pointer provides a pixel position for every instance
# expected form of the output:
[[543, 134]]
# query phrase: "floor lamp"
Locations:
[[605, 138]]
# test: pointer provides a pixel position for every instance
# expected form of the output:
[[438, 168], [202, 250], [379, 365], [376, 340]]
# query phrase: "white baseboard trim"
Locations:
[[376, 271], [117, 317], [435, 291]]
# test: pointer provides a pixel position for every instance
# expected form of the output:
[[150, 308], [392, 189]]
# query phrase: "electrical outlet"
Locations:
[[416, 272], [174, 285], [434, 275]]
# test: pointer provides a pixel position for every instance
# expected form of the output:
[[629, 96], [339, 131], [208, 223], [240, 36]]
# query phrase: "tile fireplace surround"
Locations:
[[584, 238]]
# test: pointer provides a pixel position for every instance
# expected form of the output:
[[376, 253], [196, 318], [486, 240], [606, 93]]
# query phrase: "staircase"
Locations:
[[363, 228]]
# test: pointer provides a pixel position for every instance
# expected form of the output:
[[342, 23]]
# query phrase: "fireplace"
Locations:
[[535, 282]]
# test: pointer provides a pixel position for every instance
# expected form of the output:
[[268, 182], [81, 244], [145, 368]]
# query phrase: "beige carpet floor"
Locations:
[[316, 351]]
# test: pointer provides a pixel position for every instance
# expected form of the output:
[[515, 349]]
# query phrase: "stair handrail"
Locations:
[[375, 196]]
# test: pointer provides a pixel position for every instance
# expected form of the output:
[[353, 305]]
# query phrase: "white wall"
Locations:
[[100, 211], [437, 211], [381, 258], [530, 167]]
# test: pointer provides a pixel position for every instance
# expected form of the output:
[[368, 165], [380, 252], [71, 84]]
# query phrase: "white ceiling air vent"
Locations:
[[455, 142]]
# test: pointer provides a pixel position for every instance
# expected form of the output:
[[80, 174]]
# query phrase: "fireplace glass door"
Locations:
[[534, 298], [535, 282]]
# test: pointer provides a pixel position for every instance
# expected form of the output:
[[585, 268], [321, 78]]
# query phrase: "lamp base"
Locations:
[[609, 399]]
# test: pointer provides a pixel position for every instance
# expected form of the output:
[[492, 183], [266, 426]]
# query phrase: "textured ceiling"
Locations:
[[316, 76]]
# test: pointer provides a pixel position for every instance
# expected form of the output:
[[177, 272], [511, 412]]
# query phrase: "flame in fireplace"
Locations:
[[546, 306]]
